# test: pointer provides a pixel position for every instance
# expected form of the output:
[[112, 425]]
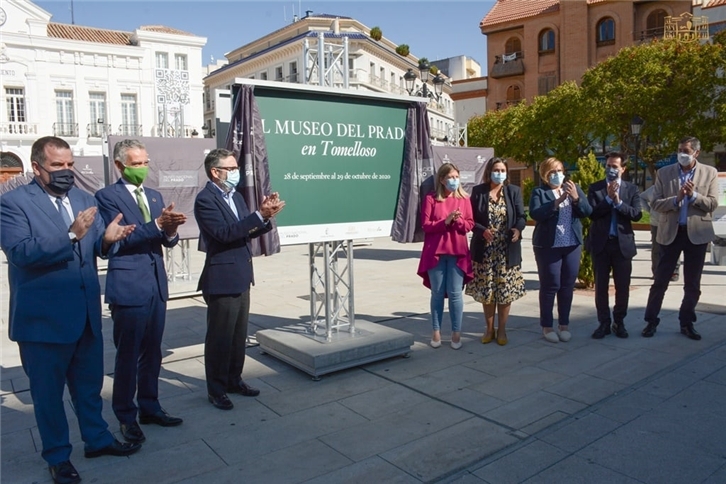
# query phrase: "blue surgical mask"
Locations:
[[452, 184], [557, 178], [498, 177], [232, 179], [612, 174]]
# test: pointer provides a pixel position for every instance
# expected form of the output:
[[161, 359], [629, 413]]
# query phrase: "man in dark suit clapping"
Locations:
[[616, 204], [226, 227]]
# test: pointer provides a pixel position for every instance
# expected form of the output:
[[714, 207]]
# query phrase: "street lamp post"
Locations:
[[438, 81], [636, 124]]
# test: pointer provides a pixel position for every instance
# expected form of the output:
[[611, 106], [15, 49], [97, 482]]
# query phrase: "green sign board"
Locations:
[[335, 159]]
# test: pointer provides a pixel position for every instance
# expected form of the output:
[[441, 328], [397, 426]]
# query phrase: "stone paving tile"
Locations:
[[515, 357], [585, 388], [702, 397], [718, 377], [366, 471], [580, 360], [648, 457], [702, 367], [447, 380], [376, 436], [16, 413], [463, 478], [455, 447], [18, 443], [473, 401], [718, 477], [514, 385], [543, 423], [578, 432], [383, 401], [423, 360], [523, 463], [532, 407], [575, 470], [628, 406], [633, 367], [668, 384]]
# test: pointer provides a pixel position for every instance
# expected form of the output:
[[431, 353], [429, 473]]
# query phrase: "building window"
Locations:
[[293, 71], [513, 46], [606, 31], [514, 95], [16, 104], [129, 119], [278, 73], [547, 41], [162, 60], [97, 105], [263, 75], [546, 83], [65, 119], [655, 23], [180, 61]]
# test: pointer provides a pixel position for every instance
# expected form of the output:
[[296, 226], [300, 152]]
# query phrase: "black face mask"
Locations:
[[61, 181]]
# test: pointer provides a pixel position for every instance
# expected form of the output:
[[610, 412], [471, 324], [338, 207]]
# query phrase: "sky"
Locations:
[[432, 29]]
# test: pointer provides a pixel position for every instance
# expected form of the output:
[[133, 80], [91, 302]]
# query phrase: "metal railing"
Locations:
[[97, 130], [504, 58], [649, 34], [129, 130], [19, 128], [171, 132], [65, 129]]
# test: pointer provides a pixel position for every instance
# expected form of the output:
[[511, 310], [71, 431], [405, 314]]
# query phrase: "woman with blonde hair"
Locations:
[[557, 207], [496, 248], [445, 265]]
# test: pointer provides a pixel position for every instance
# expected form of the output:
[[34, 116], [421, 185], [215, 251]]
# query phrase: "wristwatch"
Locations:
[[72, 237]]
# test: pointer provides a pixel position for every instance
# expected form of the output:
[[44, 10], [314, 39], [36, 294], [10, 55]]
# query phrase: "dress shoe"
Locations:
[[64, 473], [502, 338], [222, 402], [649, 330], [690, 332], [132, 433], [564, 336], [160, 418], [619, 330], [674, 277], [457, 344], [116, 449], [488, 337], [244, 389], [435, 344], [552, 337], [601, 331]]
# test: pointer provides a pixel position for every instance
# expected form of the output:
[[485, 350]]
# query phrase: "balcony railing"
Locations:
[[171, 131], [511, 57], [649, 34], [20, 128], [65, 129], [506, 104], [98, 130], [129, 130]]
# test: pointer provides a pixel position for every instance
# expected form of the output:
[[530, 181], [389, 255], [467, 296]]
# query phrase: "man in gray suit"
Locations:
[[686, 196], [646, 199]]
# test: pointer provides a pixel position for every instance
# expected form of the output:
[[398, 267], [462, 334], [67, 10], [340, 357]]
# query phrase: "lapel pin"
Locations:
[[153, 200]]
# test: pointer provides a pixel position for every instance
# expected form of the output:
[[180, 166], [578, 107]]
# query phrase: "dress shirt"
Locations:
[[683, 212]]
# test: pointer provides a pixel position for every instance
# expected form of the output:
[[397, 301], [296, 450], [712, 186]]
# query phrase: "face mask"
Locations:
[[135, 175], [61, 181], [452, 184], [612, 174], [556, 179], [498, 177], [232, 179], [685, 159]]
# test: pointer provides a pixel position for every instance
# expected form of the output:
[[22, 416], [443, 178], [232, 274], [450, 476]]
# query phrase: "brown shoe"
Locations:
[[488, 337]]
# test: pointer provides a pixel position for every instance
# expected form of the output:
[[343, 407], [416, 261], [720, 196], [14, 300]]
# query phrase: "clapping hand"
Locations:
[[115, 232], [83, 222], [453, 216], [613, 192], [271, 206], [686, 190], [570, 189], [169, 220]]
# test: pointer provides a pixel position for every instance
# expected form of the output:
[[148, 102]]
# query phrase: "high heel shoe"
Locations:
[[502, 339], [488, 337]]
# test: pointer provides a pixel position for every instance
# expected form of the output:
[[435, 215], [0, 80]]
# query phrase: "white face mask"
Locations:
[[685, 159]]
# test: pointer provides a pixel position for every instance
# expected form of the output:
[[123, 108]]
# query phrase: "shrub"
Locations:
[[402, 50], [376, 33], [434, 70]]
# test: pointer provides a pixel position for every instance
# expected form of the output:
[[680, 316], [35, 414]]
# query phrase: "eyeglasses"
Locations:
[[227, 168]]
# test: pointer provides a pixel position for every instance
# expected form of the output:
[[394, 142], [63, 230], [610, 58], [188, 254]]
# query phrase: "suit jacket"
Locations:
[[700, 211], [140, 259], [516, 219], [225, 239], [629, 211], [53, 283], [542, 209]]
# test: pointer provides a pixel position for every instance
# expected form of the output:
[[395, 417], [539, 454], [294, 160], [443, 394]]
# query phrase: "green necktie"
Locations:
[[142, 204]]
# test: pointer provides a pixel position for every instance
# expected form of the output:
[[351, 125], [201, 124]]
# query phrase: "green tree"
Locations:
[[376, 33], [589, 170], [678, 88]]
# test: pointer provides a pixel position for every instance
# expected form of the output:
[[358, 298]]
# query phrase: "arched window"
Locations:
[[514, 95], [655, 23], [513, 45], [547, 41], [606, 30], [10, 160]]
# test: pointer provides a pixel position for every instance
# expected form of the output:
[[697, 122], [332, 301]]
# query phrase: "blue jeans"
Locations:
[[557, 268], [447, 279]]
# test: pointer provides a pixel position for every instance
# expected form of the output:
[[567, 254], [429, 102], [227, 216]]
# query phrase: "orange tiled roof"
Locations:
[[507, 10], [164, 30], [715, 3], [88, 34]]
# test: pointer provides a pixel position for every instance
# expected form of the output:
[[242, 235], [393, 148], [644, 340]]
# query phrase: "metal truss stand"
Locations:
[[331, 290], [177, 262]]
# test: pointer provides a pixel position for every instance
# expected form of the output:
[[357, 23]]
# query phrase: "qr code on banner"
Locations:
[[172, 86]]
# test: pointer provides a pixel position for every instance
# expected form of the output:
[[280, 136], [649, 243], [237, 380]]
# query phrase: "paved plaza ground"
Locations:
[[630, 410]]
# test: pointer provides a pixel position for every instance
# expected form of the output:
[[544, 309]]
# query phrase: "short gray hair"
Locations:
[[695, 143], [121, 149]]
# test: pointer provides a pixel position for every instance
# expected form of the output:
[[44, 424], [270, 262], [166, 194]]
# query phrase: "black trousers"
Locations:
[[611, 258], [224, 345], [693, 259]]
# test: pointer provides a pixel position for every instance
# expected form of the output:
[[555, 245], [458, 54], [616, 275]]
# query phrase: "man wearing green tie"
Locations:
[[137, 291]]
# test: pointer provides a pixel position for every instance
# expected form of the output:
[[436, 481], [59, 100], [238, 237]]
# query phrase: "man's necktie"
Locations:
[[63, 212], [142, 205]]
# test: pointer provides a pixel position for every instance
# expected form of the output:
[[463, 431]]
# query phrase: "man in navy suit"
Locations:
[[137, 290], [51, 235], [616, 204], [226, 227]]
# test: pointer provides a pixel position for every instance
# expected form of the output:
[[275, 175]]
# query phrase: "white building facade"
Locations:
[[83, 84], [290, 55]]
